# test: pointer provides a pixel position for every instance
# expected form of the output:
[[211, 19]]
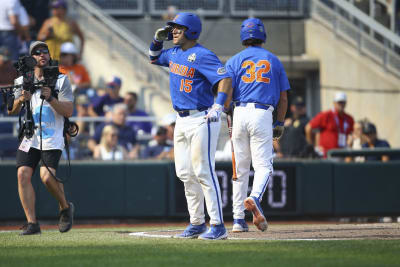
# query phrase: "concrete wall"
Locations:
[[343, 66]]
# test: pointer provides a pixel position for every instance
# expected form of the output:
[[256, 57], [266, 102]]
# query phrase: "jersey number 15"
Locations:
[[256, 75]]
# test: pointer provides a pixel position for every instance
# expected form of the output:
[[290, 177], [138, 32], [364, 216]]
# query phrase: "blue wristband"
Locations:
[[221, 98], [278, 123]]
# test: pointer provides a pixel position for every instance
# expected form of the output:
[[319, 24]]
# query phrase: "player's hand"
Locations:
[[215, 113], [163, 34], [26, 96], [277, 130]]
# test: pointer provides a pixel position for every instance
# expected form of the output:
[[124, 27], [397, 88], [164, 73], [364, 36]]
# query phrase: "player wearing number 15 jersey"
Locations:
[[194, 71], [259, 86]]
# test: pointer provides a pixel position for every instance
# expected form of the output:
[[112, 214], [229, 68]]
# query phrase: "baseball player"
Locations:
[[194, 72], [259, 86]]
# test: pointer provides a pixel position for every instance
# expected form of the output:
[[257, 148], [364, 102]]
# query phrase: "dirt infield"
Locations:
[[305, 232]]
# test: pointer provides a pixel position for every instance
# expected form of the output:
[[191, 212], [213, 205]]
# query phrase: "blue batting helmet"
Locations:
[[253, 29], [190, 21]]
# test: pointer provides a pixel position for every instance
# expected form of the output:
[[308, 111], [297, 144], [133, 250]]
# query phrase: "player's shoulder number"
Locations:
[[255, 71]]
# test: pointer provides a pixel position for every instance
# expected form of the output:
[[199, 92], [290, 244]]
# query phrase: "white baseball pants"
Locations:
[[252, 142], [195, 142]]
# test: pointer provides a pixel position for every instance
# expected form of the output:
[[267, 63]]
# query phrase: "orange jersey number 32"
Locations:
[[256, 75]]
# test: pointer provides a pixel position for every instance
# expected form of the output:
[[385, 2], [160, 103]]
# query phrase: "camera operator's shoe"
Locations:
[[252, 204], [215, 232], [192, 231], [239, 226], [66, 218], [31, 229]]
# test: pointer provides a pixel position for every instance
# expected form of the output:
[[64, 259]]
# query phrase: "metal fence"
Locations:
[[351, 24], [121, 7], [267, 8], [207, 8], [204, 7]]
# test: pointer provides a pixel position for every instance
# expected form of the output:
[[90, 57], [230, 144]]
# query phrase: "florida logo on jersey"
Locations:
[[181, 70]]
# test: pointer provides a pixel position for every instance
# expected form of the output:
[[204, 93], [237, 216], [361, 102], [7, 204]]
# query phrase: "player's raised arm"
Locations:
[[156, 46]]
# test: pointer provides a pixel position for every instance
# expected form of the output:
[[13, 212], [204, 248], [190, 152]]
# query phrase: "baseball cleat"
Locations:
[[215, 232], [66, 218], [192, 231], [239, 226], [252, 204]]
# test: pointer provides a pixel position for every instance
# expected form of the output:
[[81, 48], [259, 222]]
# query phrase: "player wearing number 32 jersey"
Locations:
[[194, 71], [259, 86]]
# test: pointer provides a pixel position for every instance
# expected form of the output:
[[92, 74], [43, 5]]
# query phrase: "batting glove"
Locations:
[[163, 34], [277, 130], [215, 113]]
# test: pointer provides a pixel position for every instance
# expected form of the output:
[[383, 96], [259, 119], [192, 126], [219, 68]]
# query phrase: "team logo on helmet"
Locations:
[[192, 57], [176, 17]]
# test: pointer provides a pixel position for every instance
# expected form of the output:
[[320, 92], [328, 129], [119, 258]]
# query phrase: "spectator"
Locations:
[[9, 26], [105, 103], [77, 73], [130, 100], [157, 145], [126, 136], [356, 140], [333, 125], [38, 11], [7, 71], [372, 141], [82, 107], [169, 123], [293, 141], [109, 149], [24, 34], [7, 76], [59, 29]]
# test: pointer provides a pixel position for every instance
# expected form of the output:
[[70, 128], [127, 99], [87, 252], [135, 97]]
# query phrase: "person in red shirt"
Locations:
[[333, 126]]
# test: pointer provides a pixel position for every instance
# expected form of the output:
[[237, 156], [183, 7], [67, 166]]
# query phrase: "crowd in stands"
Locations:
[[118, 139]]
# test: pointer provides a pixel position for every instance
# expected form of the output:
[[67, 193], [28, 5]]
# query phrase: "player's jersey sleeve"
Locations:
[[212, 68], [158, 55]]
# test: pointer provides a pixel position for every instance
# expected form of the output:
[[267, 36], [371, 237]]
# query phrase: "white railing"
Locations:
[[90, 120], [384, 49]]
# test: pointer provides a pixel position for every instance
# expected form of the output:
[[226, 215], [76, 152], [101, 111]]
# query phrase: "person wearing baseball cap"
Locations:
[[334, 126], [46, 144], [293, 142], [370, 135], [105, 103], [77, 73], [59, 29]]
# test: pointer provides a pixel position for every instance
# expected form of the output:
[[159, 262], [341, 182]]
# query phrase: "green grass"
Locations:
[[108, 247]]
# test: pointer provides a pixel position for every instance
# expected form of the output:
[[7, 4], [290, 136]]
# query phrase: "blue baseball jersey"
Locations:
[[257, 76], [193, 74]]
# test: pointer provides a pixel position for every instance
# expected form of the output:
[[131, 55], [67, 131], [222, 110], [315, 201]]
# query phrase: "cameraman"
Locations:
[[29, 154]]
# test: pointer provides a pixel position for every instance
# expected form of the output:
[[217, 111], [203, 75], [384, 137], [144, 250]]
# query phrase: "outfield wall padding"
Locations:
[[150, 189]]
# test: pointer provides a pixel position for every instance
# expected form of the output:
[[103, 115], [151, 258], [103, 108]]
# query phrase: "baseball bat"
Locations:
[[229, 121]]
